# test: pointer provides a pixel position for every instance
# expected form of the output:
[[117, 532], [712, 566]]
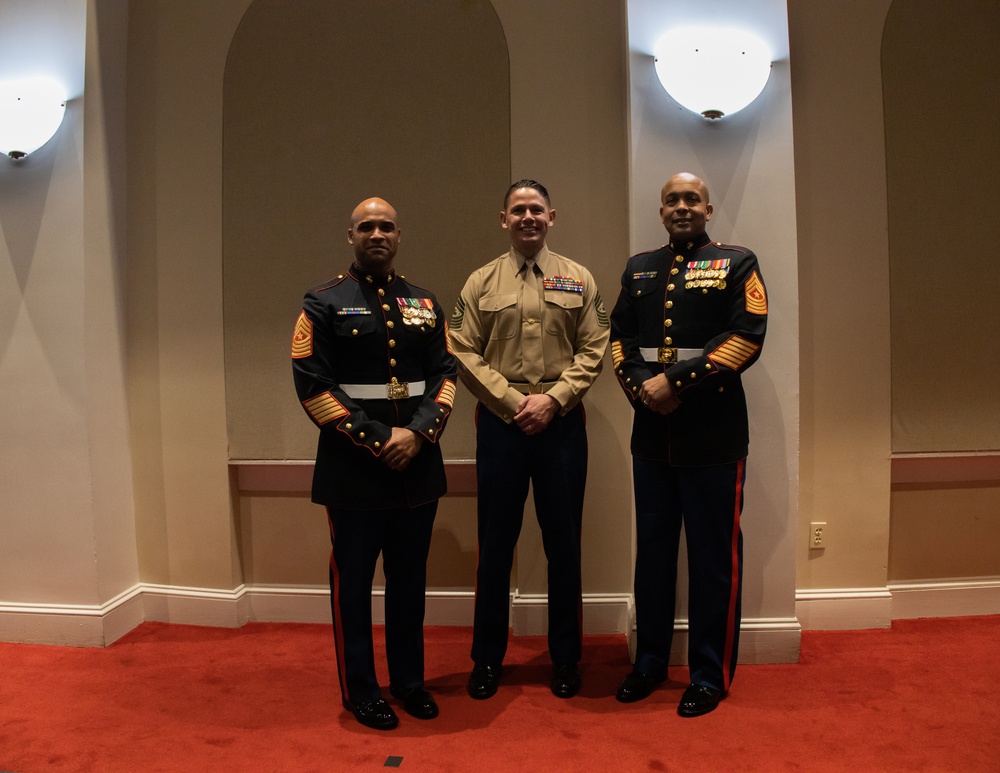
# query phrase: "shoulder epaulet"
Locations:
[[650, 252], [732, 247], [330, 283]]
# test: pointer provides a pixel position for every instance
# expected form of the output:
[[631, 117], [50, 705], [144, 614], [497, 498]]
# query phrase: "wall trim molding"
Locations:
[[951, 598], [763, 640], [831, 609]]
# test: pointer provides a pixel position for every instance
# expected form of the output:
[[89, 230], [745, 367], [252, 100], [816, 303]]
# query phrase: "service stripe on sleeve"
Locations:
[[756, 297], [617, 355], [302, 338], [324, 408], [734, 352], [447, 394]]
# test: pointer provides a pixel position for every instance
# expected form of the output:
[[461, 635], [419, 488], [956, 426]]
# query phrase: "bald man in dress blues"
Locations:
[[690, 319], [373, 371]]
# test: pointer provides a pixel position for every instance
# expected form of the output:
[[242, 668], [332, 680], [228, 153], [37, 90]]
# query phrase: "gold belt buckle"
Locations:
[[666, 354], [396, 390]]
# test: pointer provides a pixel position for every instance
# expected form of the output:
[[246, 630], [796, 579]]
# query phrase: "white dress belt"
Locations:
[[393, 391], [653, 354]]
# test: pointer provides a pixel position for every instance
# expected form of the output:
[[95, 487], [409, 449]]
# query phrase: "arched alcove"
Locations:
[[328, 102]]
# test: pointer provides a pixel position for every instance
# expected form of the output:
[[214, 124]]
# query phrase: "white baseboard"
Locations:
[[763, 640], [840, 609], [602, 613], [73, 625], [954, 598]]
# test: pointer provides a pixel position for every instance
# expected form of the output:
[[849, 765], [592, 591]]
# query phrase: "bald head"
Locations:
[[685, 209], [374, 233]]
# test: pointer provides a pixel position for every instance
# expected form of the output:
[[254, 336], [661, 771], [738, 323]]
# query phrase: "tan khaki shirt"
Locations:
[[488, 325]]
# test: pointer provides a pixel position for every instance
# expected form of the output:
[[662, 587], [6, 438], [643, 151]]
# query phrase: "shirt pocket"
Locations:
[[561, 311], [500, 315], [354, 326]]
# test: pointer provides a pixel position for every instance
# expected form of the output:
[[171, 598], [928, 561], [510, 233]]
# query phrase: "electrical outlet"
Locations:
[[817, 535]]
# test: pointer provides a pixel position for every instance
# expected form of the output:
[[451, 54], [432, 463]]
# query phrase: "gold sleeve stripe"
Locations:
[[447, 394], [756, 297], [734, 352], [616, 353], [324, 408], [302, 338]]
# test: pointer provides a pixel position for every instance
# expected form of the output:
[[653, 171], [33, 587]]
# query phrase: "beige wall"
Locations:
[[844, 334], [116, 473], [746, 161]]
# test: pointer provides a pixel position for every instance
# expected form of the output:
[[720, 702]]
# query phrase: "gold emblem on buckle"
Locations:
[[666, 354], [395, 390]]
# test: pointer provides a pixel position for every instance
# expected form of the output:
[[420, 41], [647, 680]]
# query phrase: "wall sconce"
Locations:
[[31, 110], [713, 72]]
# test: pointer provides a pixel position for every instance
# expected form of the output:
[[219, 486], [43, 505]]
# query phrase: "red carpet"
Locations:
[[918, 697]]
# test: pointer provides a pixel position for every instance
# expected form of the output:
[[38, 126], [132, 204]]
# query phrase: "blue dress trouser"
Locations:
[[708, 500], [403, 537], [555, 463]]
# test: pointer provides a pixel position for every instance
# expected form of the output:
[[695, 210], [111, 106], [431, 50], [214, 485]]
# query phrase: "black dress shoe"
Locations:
[[638, 685], [416, 701], [565, 681], [698, 700], [483, 682], [376, 714]]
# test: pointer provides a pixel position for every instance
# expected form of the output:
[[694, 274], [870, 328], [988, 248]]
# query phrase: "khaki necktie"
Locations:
[[532, 362]]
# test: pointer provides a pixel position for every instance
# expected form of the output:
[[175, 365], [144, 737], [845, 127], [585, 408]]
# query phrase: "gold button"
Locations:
[[679, 258], [704, 291], [381, 291], [392, 363], [430, 432], [638, 292], [668, 322], [390, 323], [354, 332], [385, 306], [391, 343], [690, 245], [437, 421], [674, 271], [668, 340], [628, 381], [668, 305], [348, 425], [635, 389], [670, 287], [393, 380], [722, 389], [368, 278], [621, 372], [708, 366], [694, 375], [377, 444], [678, 384], [441, 409], [361, 435], [423, 329]]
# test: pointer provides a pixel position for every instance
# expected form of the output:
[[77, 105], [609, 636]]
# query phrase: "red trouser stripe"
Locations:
[[338, 625], [734, 581]]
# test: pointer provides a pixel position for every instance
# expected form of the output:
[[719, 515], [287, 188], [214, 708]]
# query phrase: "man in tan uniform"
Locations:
[[529, 331]]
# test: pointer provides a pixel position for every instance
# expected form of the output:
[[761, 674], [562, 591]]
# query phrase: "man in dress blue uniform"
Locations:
[[530, 331], [373, 371], [689, 320]]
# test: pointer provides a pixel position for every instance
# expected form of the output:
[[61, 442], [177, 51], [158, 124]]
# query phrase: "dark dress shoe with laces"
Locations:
[[416, 701], [699, 699], [483, 682], [565, 681], [638, 685], [376, 714]]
